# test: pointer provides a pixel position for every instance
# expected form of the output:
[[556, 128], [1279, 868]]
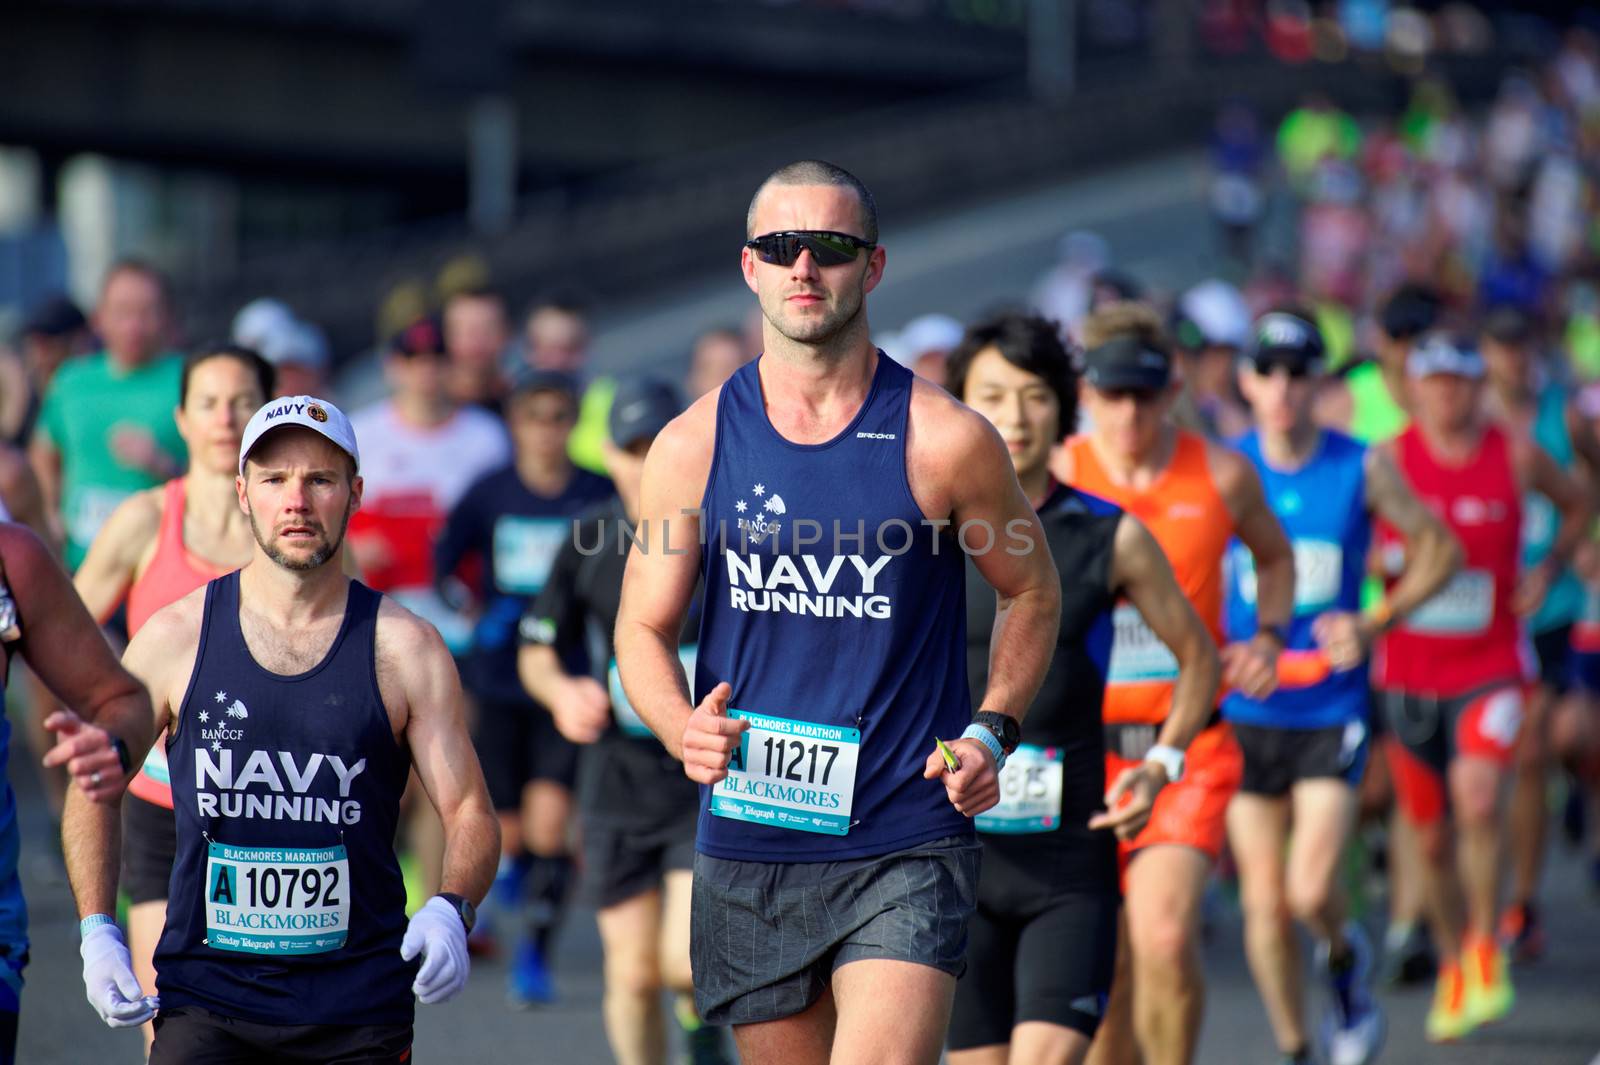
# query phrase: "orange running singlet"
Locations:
[[1185, 513]]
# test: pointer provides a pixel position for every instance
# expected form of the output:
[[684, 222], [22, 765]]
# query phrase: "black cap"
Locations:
[[1281, 337], [1508, 324], [1410, 312], [1126, 362], [55, 317], [425, 336], [531, 379], [641, 408]]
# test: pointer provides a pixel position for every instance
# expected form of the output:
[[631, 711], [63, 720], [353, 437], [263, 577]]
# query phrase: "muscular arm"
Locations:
[[1141, 572], [1586, 442], [1432, 553], [161, 651], [46, 462], [107, 570], [659, 584], [415, 671], [19, 487], [984, 492], [64, 647], [1258, 529], [1538, 471]]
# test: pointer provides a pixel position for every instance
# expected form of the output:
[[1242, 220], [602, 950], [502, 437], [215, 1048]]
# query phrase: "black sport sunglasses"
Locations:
[[826, 247]]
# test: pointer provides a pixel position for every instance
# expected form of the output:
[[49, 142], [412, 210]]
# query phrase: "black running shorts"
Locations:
[[1275, 759], [189, 1035], [149, 847], [1035, 953], [766, 937]]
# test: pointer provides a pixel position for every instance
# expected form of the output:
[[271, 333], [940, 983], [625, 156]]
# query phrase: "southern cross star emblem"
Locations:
[[222, 697], [759, 489], [216, 745], [205, 715], [740, 506]]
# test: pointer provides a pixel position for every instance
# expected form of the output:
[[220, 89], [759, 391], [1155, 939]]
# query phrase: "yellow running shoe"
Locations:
[[1487, 973], [1448, 1019]]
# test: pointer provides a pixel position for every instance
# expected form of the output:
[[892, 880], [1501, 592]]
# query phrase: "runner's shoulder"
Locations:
[[682, 452], [941, 424], [137, 518], [174, 629], [404, 637]]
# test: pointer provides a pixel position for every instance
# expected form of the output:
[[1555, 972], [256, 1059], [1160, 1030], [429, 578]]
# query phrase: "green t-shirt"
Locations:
[[1375, 416], [585, 444], [88, 401]]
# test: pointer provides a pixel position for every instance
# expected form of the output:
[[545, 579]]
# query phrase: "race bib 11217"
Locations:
[[791, 774]]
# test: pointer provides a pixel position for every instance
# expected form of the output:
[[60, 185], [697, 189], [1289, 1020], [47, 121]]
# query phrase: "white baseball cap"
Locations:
[[307, 412]]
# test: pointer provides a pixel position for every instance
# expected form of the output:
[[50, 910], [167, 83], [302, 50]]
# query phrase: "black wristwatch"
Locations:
[[1004, 727], [467, 911], [1277, 632], [124, 759]]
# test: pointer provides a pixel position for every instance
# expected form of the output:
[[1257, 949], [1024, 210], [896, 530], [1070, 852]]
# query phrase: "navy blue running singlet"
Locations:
[[286, 904], [837, 613]]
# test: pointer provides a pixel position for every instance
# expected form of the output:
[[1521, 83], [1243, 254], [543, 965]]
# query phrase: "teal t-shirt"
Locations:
[[1540, 520], [88, 402]]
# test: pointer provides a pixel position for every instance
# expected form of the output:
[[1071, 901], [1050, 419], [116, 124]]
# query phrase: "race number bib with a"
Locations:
[[1318, 571], [1030, 793], [628, 719], [1137, 653], [1462, 607], [790, 774], [524, 551], [277, 900]]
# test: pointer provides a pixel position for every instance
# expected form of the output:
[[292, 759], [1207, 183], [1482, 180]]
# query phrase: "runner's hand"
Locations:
[[1344, 636], [1531, 590], [582, 710], [87, 753], [975, 786], [436, 932], [1130, 800], [1251, 667], [109, 982], [710, 737]]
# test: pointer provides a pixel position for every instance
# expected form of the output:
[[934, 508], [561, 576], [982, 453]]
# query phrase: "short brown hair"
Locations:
[[1126, 318]]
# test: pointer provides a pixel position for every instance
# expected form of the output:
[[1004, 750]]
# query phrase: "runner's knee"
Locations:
[[1162, 943], [634, 973], [1307, 898]]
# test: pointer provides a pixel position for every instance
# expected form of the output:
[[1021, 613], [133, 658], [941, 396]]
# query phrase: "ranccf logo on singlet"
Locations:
[[800, 584]]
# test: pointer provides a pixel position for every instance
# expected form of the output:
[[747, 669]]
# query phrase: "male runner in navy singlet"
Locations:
[[834, 875], [297, 701]]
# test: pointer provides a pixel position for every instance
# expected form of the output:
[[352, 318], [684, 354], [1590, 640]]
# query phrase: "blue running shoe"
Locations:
[[529, 984], [1353, 1027]]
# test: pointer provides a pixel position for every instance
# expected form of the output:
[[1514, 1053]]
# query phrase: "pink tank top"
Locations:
[[172, 574]]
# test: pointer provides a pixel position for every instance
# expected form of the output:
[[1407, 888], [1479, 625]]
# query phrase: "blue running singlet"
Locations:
[[286, 904], [837, 613], [1323, 509]]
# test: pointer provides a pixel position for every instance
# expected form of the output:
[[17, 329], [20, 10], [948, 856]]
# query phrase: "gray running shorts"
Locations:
[[766, 937]]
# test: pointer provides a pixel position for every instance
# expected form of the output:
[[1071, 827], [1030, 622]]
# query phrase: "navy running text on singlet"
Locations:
[[836, 613], [286, 897]]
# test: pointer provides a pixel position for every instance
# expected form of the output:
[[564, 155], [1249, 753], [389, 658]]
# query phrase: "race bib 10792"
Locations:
[[277, 900]]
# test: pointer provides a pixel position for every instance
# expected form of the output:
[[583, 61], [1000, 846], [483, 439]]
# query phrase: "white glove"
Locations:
[[437, 933], [108, 978]]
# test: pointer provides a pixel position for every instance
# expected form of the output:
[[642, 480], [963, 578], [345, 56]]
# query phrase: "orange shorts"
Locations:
[[1194, 811]]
